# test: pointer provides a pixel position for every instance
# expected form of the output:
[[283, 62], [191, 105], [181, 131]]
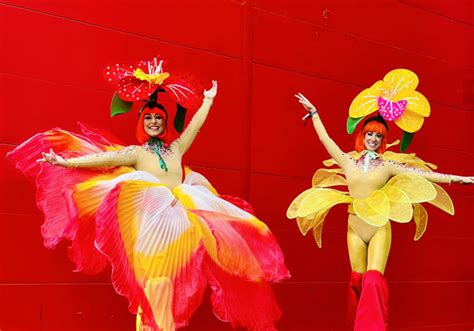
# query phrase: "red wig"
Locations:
[[375, 126], [141, 135]]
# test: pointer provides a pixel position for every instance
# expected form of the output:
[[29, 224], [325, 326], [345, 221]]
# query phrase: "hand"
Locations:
[[53, 158], [212, 92], [464, 180], [305, 102]]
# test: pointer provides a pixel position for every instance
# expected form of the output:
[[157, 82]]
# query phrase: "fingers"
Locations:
[[50, 157]]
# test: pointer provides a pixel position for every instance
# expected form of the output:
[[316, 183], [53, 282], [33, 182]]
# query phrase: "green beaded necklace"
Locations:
[[157, 145]]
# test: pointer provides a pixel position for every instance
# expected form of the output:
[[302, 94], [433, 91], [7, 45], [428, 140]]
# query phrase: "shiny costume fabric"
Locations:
[[166, 240], [398, 200]]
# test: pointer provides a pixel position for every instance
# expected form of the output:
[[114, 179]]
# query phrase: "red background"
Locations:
[[253, 144]]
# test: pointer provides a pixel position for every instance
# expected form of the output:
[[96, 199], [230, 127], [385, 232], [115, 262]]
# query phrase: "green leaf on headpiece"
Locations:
[[352, 123], [118, 106], [180, 117], [406, 140]]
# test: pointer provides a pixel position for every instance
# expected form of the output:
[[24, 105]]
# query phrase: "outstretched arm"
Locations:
[[123, 157], [397, 168], [336, 153], [187, 138]]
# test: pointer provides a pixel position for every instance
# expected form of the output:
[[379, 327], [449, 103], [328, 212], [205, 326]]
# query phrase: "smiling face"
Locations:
[[153, 124], [372, 137], [372, 140]]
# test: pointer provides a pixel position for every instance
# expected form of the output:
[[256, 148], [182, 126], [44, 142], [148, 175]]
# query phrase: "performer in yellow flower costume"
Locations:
[[166, 232], [383, 186]]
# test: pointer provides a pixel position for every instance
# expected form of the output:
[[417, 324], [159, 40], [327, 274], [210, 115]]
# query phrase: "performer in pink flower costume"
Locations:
[[165, 230]]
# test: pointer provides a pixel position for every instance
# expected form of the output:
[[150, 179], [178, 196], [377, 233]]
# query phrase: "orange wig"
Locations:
[[372, 125]]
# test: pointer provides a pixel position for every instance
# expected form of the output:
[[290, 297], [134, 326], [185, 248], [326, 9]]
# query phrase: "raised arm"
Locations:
[[397, 168], [336, 153], [187, 138], [123, 157]]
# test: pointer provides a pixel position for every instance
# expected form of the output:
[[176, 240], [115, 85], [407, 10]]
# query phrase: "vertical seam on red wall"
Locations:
[[247, 58]]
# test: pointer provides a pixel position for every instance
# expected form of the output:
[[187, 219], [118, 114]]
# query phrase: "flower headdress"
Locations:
[[396, 100], [142, 82]]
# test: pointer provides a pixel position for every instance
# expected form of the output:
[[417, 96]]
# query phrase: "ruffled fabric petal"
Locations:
[[318, 229], [327, 178], [164, 246], [420, 217], [241, 263], [56, 187], [400, 205], [155, 250], [415, 187], [374, 210], [311, 207], [443, 200], [319, 199], [410, 160], [398, 200]]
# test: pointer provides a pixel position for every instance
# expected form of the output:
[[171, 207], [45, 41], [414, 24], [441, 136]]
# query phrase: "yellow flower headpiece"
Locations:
[[396, 100]]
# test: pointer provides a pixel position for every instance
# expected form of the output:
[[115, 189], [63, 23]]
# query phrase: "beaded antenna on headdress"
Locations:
[[143, 82], [396, 100]]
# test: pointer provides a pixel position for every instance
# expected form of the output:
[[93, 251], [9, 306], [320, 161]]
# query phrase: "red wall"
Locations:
[[253, 144]]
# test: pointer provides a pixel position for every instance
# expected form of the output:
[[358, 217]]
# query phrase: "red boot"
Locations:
[[372, 312], [355, 287]]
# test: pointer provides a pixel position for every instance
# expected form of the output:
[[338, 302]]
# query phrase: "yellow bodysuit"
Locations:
[[385, 187]]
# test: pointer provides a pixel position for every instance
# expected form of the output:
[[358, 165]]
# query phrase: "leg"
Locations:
[[372, 312], [357, 251], [379, 249], [358, 258]]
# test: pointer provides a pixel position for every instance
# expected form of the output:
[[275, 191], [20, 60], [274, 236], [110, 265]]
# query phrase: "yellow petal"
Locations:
[[410, 160], [327, 178], [366, 101], [417, 103], [400, 205], [307, 223], [415, 187], [320, 199], [410, 121], [318, 230], [395, 143], [442, 200], [374, 210], [295, 204], [420, 216], [400, 80]]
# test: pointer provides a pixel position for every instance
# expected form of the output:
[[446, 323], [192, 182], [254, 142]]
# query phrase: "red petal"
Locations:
[[132, 89], [114, 73]]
